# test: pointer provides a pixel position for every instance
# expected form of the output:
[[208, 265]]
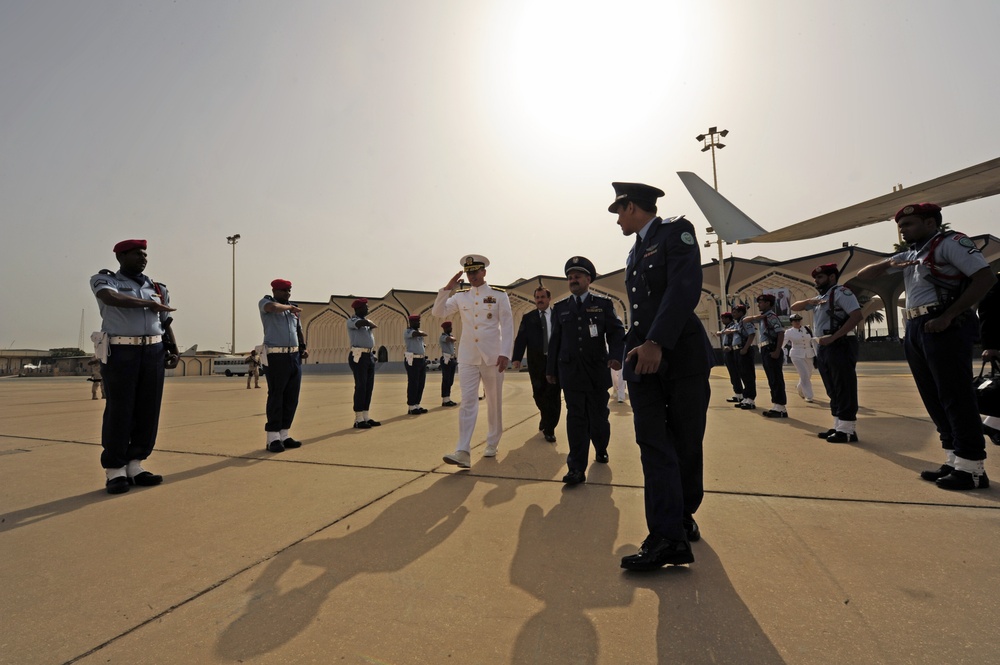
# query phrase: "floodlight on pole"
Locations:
[[709, 139], [232, 240]]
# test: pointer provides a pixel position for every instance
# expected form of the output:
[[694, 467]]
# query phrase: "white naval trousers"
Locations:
[[805, 369], [469, 376]]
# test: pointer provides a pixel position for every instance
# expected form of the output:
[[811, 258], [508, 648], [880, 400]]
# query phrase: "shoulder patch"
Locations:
[[687, 238], [966, 241], [847, 291]]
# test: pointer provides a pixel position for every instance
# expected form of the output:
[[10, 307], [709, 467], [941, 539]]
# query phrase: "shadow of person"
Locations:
[[406, 530], [535, 460], [701, 617], [563, 559], [66, 505]]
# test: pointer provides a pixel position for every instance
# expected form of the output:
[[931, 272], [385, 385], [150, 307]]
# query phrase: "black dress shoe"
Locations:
[[931, 476], [413, 412], [374, 423], [735, 399], [827, 433], [992, 433], [549, 436], [291, 443], [772, 413], [691, 529], [449, 403], [745, 406], [362, 424], [602, 457], [963, 480], [842, 437], [657, 552], [117, 485], [275, 447], [145, 479], [574, 478]]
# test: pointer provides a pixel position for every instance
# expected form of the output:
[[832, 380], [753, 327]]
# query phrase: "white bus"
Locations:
[[230, 365]]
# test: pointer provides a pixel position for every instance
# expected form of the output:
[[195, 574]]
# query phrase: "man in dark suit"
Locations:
[[533, 335], [667, 363], [587, 342]]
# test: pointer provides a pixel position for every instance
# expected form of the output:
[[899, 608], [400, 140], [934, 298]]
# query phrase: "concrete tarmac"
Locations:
[[364, 547]]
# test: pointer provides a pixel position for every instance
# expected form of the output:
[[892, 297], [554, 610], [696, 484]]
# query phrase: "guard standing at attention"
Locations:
[[449, 363], [135, 346], [361, 359], [533, 336], [667, 363], [415, 359], [836, 314], [285, 349], [587, 343], [729, 355], [745, 353], [487, 343], [772, 357], [944, 275]]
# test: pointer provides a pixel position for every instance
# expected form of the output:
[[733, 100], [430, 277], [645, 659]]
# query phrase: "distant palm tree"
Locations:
[[874, 317]]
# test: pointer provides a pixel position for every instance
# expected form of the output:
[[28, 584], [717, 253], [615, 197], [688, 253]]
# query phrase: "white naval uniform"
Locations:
[[487, 334], [802, 354]]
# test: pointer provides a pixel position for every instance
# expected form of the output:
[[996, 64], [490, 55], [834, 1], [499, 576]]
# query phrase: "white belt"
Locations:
[[416, 356], [141, 340], [282, 349], [361, 349], [914, 312]]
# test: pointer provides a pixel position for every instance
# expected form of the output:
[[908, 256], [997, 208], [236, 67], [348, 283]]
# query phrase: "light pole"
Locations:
[[232, 240], [710, 143]]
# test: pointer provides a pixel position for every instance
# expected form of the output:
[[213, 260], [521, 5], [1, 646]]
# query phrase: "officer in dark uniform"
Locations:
[[449, 363], [533, 336], [945, 275], [586, 344], [134, 346], [415, 360], [285, 348], [361, 359], [667, 363], [772, 357]]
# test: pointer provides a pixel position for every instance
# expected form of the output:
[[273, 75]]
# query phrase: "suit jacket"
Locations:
[[531, 337], [663, 283], [577, 357], [487, 323]]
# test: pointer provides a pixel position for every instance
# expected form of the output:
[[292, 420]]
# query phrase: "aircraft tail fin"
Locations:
[[731, 223]]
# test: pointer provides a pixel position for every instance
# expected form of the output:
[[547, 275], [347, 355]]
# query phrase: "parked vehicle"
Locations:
[[433, 364], [232, 365]]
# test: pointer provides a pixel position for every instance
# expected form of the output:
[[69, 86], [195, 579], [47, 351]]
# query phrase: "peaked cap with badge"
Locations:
[[581, 264], [635, 192], [474, 262]]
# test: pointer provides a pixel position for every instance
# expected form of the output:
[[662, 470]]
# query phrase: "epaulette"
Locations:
[[464, 289], [497, 288], [105, 271]]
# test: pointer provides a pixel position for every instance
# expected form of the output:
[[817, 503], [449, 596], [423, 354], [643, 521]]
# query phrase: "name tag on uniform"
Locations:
[[593, 330]]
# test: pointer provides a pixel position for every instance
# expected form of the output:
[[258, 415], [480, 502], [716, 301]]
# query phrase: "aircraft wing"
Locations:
[[968, 184]]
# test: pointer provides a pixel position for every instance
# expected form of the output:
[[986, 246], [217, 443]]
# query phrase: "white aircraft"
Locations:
[[734, 226]]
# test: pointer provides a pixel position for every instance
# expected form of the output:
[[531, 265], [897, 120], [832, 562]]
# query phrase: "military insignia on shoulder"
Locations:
[[464, 289], [846, 291], [687, 238], [966, 241], [497, 288], [105, 271], [489, 299]]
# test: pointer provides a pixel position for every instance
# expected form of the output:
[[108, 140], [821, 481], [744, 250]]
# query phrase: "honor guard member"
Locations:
[[772, 357], [449, 363], [361, 359], [836, 315], [415, 359], [587, 343], [729, 354], [944, 275], [745, 353], [285, 349], [487, 343], [667, 364], [801, 347], [533, 335], [135, 346]]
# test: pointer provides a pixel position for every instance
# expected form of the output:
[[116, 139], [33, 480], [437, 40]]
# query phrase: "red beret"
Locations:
[[414, 317], [129, 245], [766, 296], [281, 284], [924, 210], [727, 314], [826, 269], [445, 324], [742, 308], [360, 302]]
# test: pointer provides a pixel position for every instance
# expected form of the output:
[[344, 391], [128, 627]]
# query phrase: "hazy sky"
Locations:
[[366, 145]]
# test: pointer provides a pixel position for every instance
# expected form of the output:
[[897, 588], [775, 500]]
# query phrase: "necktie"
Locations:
[[545, 334]]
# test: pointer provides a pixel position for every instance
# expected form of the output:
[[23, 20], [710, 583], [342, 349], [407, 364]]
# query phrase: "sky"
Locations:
[[360, 146]]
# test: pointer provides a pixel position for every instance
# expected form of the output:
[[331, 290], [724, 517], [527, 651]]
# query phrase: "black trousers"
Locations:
[[669, 416], [416, 378], [587, 421], [133, 390], [364, 380], [941, 364], [545, 394], [284, 378], [838, 367], [748, 372], [448, 377], [775, 375], [731, 358]]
